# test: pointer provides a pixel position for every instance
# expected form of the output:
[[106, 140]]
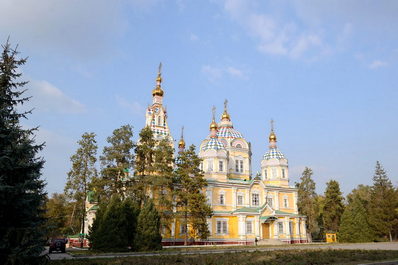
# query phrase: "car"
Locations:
[[58, 244]]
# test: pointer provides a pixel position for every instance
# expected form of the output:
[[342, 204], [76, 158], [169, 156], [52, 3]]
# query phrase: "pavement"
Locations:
[[359, 246]]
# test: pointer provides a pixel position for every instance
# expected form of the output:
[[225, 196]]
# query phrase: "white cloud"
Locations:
[[133, 106], [214, 73], [377, 64], [274, 36], [48, 98]]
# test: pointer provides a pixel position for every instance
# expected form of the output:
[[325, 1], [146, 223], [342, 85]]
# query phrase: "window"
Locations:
[[240, 199], [159, 121], [222, 227], [209, 165], [249, 227], [238, 146], [274, 173], [220, 166], [285, 202], [222, 199], [280, 227], [255, 199], [237, 165], [265, 173], [201, 166], [269, 202], [241, 165], [183, 229], [283, 173]]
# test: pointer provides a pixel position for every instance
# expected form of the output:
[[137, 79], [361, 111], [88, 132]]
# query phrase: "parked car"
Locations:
[[58, 244]]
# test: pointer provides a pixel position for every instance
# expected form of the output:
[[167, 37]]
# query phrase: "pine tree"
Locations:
[[333, 207], [354, 225], [117, 161], [144, 164], [22, 196], [382, 204], [148, 228], [307, 201], [81, 174], [192, 203], [161, 182]]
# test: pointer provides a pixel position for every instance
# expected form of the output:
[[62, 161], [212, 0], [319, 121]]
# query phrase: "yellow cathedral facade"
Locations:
[[246, 208]]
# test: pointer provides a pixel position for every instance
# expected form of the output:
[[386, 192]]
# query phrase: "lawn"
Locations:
[[293, 257]]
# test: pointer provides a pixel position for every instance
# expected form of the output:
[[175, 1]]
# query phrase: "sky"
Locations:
[[325, 71]]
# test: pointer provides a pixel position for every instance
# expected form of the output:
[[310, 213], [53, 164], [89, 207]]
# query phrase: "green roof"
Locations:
[[91, 196], [247, 209], [94, 208]]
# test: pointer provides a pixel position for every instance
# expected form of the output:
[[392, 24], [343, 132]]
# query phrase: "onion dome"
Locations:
[[158, 91], [213, 143], [181, 143], [226, 128], [273, 151]]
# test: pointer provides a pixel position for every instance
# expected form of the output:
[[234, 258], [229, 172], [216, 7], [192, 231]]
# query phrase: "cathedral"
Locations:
[[246, 207]]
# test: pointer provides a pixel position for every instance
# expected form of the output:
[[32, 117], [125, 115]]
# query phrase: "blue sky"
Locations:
[[325, 71]]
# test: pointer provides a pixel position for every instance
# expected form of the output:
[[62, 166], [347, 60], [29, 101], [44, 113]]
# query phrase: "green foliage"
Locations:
[[114, 227], [354, 226], [307, 201], [117, 161], [81, 174], [58, 211], [148, 228], [190, 184], [22, 196], [382, 205], [333, 207]]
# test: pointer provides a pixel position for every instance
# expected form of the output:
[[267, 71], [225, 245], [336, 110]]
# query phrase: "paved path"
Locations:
[[363, 246]]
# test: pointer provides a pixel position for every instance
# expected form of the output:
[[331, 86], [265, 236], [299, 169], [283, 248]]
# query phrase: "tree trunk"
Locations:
[[186, 229], [390, 235]]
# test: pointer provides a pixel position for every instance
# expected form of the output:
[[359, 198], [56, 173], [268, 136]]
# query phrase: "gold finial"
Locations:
[[158, 90], [272, 136], [181, 143], [225, 115], [213, 124]]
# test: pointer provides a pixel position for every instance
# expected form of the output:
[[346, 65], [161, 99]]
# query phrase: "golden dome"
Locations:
[[158, 91], [213, 125], [181, 143], [272, 137], [225, 115]]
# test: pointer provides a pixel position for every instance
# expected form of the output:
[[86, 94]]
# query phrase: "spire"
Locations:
[[225, 115], [158, 91], [181, 143], [272, 135], [213, 124]]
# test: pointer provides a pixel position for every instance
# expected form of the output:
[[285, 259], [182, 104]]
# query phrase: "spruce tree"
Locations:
[[81, 174], [116, 161], [354, 225], [333, 207], [383, 204], [192, 203], [148, 228], [307, 201], [21, 190]]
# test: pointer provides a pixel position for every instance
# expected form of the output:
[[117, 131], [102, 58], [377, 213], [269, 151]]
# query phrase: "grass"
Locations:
[[291, 257]]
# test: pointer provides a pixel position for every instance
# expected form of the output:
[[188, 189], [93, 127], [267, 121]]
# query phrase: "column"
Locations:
[[241, 226], [277, 201], [234, 198]]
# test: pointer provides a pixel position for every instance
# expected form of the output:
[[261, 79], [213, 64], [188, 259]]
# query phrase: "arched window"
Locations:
[[283, 173], [159, 121], [238, 146]]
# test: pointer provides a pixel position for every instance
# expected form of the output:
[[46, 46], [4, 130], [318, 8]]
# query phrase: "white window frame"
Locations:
[[249, 224], [220, 166], [285, 201], [223, 228], [240, 195], [270, 199], [237, 165], [241, 166], [255, 202], [265, 174], [280, 227], [283, 173], [221, 201]]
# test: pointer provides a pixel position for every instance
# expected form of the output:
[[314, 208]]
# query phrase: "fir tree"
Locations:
[[190, 184], [81, 174], [382, 204], [307, 201], [117, 161], [333, 207], [21, 189], [354, 225], [148, 228]]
